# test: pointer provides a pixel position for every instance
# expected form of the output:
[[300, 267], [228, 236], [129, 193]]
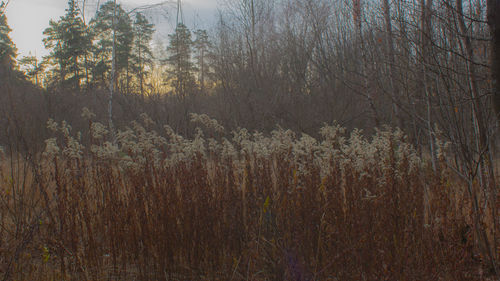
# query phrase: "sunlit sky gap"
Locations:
[[29, 18]]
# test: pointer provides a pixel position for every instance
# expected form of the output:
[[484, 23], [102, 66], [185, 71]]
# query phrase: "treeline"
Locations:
[[412, 64], [423, 66]]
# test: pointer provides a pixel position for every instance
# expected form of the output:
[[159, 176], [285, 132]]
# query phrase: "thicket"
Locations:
[[240, 205]]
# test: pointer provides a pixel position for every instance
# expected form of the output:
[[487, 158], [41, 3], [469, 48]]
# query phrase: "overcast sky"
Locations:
[[28, 18]]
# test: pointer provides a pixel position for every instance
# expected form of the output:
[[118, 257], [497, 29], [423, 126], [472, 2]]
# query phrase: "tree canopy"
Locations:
[[68, 42], [179, 60], [7, 48]]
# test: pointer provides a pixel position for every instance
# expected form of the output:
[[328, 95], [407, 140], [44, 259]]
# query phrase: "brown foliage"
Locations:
[[255, 208]]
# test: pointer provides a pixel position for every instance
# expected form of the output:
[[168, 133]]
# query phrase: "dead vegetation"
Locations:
[[151, 206]]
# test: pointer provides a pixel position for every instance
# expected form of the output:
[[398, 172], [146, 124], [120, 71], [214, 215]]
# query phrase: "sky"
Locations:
[[29, 18]]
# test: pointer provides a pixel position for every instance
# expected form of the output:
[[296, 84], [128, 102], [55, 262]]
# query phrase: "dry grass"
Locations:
[[248, 208]]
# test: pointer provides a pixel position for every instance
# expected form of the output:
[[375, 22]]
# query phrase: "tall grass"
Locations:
[[244, 206]]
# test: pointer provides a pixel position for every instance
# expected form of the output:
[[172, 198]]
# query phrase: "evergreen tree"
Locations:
[[7, 48], [180, 74], [32, 68], [102, 25], [202, 47], [76, 42], [53, 41], [142, 55], [68, 41]]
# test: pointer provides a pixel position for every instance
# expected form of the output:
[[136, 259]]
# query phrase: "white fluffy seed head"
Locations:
[[51, 148], [73, 149], [52, 125], [147, 120], [65, 128], [105, 151], [98, 130], [207, 122], [87, 114]]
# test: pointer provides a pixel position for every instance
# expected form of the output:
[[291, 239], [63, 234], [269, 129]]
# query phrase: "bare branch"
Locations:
[[149, 7]]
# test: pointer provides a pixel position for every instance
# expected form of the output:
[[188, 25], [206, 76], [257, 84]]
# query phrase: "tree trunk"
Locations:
[[141, 75], [425, 37], [112, 82], [493, 16], [202, 66], [363, 67], [486, 171], [394, 89]]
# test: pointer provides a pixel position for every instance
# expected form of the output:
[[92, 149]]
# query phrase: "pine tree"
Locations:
[[180, 74], [7, 48], [202, 46], [68, 41], [102, 25], [142, 54], [76, 42], [53, 41], [32, 68]]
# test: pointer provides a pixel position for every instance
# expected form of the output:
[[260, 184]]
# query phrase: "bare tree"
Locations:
[[493, 18]]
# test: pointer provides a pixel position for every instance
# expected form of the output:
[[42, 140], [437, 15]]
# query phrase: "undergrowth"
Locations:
[[139, 205]]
